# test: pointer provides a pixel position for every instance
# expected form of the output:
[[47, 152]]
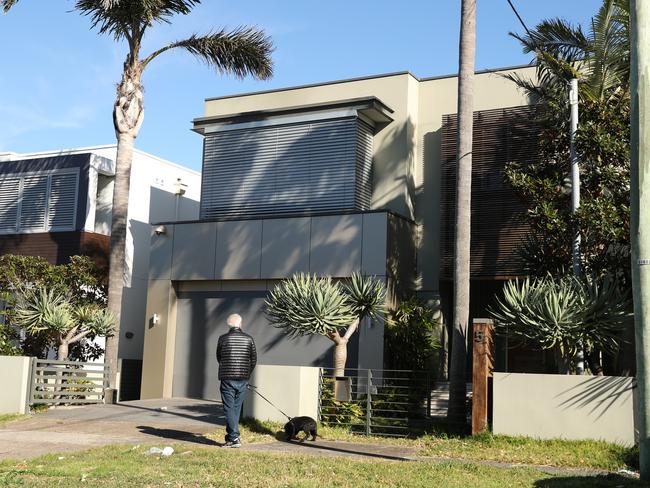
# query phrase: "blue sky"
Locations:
[[57, 77]]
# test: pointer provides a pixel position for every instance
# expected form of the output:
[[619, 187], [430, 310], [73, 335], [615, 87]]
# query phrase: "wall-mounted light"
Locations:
[[155, 319], [179, 187], [160, 230]]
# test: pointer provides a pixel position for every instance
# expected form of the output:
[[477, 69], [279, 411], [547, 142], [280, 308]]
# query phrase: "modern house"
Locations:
[[57, 204], [331, 178]]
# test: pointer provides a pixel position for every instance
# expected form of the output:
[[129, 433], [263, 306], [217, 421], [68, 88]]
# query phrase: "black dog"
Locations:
[[298, 424]]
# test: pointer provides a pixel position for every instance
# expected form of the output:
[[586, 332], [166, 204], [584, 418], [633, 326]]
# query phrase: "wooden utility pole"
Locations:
[[482, 367], [457, 371], [640, 213]]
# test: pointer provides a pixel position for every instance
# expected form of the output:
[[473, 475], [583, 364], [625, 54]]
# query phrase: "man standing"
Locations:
[[237, 357]]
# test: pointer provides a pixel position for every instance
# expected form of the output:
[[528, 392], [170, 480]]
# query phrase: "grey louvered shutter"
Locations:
[[62, 204], [9, 195], [315, 166], [33, 202]]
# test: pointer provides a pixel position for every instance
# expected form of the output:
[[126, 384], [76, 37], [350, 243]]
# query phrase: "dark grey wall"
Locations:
[[201, 319], [81, 161]]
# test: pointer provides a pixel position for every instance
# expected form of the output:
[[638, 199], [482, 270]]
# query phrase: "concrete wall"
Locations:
[[14, 384], [565, 406], [293, 389]]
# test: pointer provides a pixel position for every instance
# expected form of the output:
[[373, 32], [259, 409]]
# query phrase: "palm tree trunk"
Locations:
[[457, 371], [128, 114]]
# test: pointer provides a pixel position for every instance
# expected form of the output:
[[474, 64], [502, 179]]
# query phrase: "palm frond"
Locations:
[[122, 17], [7, 4], [241, 52]]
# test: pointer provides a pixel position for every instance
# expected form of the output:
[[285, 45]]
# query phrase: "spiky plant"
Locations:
[[563, 313], [317, 305], [41, 309]]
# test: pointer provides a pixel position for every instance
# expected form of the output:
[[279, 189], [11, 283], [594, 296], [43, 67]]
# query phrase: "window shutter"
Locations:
[[62, 201], [9, 191], [34, 198], [316, 166]]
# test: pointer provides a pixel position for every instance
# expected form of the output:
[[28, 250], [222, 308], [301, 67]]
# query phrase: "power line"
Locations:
[[521, 21]]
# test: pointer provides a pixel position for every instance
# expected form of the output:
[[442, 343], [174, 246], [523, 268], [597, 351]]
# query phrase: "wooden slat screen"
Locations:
[[303, 167], [498, 215]]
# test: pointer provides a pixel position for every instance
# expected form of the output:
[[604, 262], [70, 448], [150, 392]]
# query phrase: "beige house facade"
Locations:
[[329, 178]]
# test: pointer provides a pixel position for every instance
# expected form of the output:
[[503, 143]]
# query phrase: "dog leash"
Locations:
[[254, 388]]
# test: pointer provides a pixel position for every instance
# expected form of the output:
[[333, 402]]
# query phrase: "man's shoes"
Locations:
[[232, 444]]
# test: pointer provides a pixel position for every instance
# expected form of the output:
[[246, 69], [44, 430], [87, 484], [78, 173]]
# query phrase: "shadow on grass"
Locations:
[[266, 428], [177, 435], [610, 480]]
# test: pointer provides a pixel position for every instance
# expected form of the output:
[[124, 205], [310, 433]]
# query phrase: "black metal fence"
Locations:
[[381, 402]]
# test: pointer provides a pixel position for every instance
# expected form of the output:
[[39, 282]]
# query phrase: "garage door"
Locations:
[[201, 319]]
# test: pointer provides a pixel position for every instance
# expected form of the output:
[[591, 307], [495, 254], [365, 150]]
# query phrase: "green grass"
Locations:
[[194, 466], [485, 447], [6, 418], [580, 454]]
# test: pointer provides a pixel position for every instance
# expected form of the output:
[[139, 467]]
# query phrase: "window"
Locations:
[[38, 202]]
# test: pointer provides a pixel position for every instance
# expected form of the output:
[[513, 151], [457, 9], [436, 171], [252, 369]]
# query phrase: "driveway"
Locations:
[[157, 422], [141, 421]]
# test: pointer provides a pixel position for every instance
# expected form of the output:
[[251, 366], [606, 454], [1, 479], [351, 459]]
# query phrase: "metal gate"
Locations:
[[67, 382], [383, 402]]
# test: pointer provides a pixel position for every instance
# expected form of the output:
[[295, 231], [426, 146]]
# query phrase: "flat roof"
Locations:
[[371, 107], [362, 78]]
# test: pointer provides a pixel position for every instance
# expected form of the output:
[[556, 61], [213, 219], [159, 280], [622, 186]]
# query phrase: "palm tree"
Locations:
[[599, 58], [240, 52], [457, 370]]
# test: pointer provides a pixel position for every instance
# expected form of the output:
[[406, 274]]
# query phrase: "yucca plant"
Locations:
[[563, 313], [42, 309], [317, 305]]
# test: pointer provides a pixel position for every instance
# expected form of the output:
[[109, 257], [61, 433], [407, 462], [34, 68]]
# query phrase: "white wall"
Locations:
[[294, 389], [14, 384], [548, 406]]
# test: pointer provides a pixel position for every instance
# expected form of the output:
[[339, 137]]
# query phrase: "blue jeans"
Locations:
[[232, 396]]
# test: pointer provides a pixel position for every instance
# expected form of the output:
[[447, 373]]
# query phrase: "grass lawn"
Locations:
[[198, 466], [4, 418], [486, 447]]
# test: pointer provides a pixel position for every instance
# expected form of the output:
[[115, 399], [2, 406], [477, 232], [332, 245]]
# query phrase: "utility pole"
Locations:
[[640, 213], [575, 197]]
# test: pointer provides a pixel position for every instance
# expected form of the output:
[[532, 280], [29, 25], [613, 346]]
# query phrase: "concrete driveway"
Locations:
[[158, 422], [79, 428]]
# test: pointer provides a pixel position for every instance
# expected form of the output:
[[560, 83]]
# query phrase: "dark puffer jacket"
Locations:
[[236, 354]]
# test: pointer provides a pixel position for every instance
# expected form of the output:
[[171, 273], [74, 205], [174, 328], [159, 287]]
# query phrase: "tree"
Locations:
[[604, 215], [241, 52], [564, 314], [313, 305], [44, 310], [80, 280], [457, 371], [599, 58], [410, 335]]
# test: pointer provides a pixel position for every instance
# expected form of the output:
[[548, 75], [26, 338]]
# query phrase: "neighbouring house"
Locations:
[[57, 204], [330, 178]]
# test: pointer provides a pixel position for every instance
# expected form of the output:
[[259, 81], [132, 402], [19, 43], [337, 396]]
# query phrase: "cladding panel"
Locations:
[[498, 215]]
